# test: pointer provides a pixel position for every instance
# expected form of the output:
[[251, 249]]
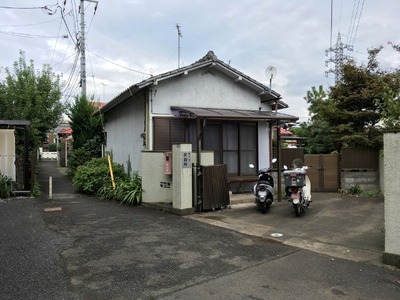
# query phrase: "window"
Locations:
[[234, 144]]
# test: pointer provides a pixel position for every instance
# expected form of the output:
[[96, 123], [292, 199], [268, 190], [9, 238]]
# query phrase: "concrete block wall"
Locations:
[[368, 181]]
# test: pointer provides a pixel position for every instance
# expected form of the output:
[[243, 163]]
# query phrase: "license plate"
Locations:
[[262, 193], [295, 196]]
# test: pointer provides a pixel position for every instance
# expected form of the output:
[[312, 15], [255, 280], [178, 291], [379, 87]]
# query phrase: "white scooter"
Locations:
[[298, 188]]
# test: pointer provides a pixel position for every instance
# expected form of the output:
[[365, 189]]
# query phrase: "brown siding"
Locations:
[[359, 159], [168, 131]]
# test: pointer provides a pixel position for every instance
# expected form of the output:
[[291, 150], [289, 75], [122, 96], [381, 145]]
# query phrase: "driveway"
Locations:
[[337, 225]]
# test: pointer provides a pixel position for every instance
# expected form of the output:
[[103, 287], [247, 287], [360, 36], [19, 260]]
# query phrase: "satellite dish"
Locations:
[[271, 72]]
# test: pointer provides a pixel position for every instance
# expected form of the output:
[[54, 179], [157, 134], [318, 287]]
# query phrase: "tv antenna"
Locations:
[[178, 28], [271, 72]]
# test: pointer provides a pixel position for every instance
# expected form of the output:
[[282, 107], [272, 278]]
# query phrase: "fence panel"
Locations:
[[214, 187], [289, 154], [358, 159]]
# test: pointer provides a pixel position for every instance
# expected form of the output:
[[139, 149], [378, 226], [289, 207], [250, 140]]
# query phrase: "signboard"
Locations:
[[186, 159]]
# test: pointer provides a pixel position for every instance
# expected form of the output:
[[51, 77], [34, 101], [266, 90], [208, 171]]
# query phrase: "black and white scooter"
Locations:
[[264, 188], [298, 188]]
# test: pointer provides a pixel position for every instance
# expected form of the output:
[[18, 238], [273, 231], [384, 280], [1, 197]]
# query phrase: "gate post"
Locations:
[[182, 176], [391, 144]]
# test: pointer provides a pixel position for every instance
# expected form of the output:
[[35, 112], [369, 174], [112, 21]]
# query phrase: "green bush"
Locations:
[[78, 158], [126, 191], [53, 147], [5, 186], [94, 175]]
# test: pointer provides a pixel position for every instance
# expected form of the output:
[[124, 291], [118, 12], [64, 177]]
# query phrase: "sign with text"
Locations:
[[186, 159]]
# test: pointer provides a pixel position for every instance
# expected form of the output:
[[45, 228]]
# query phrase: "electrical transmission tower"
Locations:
[[338, 58]]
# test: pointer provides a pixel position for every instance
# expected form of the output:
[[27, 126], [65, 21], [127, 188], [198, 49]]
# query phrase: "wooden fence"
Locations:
[[354, 159]]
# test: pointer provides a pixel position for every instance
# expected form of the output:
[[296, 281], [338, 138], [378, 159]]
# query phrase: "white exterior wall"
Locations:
[[202, 88], [123, 125], [391, 192], [158, 187], [7, 152]]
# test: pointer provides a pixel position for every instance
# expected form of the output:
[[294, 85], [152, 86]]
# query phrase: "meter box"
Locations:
[[294, 178], [168, 163]]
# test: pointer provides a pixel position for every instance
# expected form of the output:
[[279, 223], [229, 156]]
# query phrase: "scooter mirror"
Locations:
[[251, 166], [274, 160], [285, 167]]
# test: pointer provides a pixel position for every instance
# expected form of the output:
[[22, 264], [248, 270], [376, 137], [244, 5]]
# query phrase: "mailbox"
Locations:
[[168, 163]]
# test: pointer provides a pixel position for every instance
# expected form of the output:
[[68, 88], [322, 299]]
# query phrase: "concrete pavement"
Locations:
[[97, 249], [337, 225]]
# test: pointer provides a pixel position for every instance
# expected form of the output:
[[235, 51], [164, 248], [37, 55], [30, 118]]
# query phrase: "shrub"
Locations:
[[5, 186], [94, 174], [126, 191], [53, 147], [78, 158]]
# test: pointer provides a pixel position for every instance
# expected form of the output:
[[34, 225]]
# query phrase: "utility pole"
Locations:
[[82, 44]]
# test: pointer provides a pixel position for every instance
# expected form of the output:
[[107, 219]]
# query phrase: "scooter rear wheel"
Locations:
[[298, 209], [264, 207]]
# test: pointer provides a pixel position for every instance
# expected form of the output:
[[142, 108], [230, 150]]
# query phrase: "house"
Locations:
[[15, 159], [208, 104]]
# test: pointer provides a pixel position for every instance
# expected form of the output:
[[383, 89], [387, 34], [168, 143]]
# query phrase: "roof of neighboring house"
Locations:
[[285, 132], [65, 131], [98, 105], [209, 60]]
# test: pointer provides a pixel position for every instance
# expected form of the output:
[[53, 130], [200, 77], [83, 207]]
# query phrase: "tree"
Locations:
[[31, 95], [390, 103], [318, 130], [87, 128], [354, 112]]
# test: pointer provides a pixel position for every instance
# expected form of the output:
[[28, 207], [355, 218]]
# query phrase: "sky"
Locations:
[[128, 40]]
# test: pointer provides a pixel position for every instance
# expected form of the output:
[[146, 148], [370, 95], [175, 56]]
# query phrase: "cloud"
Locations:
[[127, 38]]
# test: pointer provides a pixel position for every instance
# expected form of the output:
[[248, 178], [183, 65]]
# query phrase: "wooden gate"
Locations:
[[323, 172], [213, 187]]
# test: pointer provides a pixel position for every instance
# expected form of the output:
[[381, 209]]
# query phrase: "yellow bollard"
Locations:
[[111, 171]]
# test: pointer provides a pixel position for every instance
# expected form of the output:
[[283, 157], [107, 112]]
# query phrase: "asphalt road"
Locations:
[[89, 248]]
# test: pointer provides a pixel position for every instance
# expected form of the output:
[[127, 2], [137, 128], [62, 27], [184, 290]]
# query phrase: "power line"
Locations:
[[32, 7], [55, 46], [28, 35], [114, 63], [33, 24]]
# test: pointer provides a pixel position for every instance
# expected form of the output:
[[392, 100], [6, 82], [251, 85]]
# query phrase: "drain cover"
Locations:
[[276, 234]]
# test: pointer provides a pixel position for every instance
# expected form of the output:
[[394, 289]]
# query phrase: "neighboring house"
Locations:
[[208, 104], [15, 160]]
